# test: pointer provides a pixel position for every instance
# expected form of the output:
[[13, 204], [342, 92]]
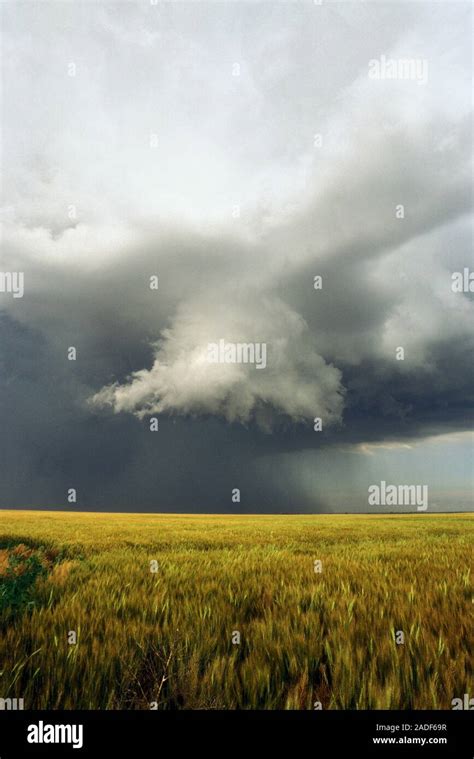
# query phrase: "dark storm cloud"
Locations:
[[92, 211]]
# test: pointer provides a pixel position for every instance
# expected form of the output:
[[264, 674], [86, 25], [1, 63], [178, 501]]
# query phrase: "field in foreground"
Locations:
[[171, 636]]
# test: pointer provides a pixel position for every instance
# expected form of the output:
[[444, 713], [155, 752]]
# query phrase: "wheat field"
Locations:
[[242, 612]]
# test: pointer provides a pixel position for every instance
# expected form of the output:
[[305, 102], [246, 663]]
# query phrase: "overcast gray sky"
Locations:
[[236, 150]]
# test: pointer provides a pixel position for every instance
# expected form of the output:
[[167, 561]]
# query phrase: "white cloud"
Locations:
[[296, 383]]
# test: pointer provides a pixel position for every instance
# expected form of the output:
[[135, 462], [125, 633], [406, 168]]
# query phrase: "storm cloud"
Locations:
[[241, 156]]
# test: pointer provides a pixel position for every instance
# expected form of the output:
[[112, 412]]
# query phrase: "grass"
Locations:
[[167, 637]]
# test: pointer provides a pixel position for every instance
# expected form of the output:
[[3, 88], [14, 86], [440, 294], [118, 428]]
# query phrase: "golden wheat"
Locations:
[[306, 636]]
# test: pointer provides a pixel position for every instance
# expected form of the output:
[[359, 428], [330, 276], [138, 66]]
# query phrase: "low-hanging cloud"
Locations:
[[296, 383]]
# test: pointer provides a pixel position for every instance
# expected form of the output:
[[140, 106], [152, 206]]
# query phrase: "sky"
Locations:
[[232, 152]]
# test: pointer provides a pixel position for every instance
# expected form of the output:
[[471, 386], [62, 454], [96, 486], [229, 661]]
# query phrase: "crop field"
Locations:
[[140, 611]]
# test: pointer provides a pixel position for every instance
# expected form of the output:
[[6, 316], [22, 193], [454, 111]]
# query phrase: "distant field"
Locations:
[[167, 637]]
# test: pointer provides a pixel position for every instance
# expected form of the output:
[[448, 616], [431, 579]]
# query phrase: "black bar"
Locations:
[[156, 733]]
